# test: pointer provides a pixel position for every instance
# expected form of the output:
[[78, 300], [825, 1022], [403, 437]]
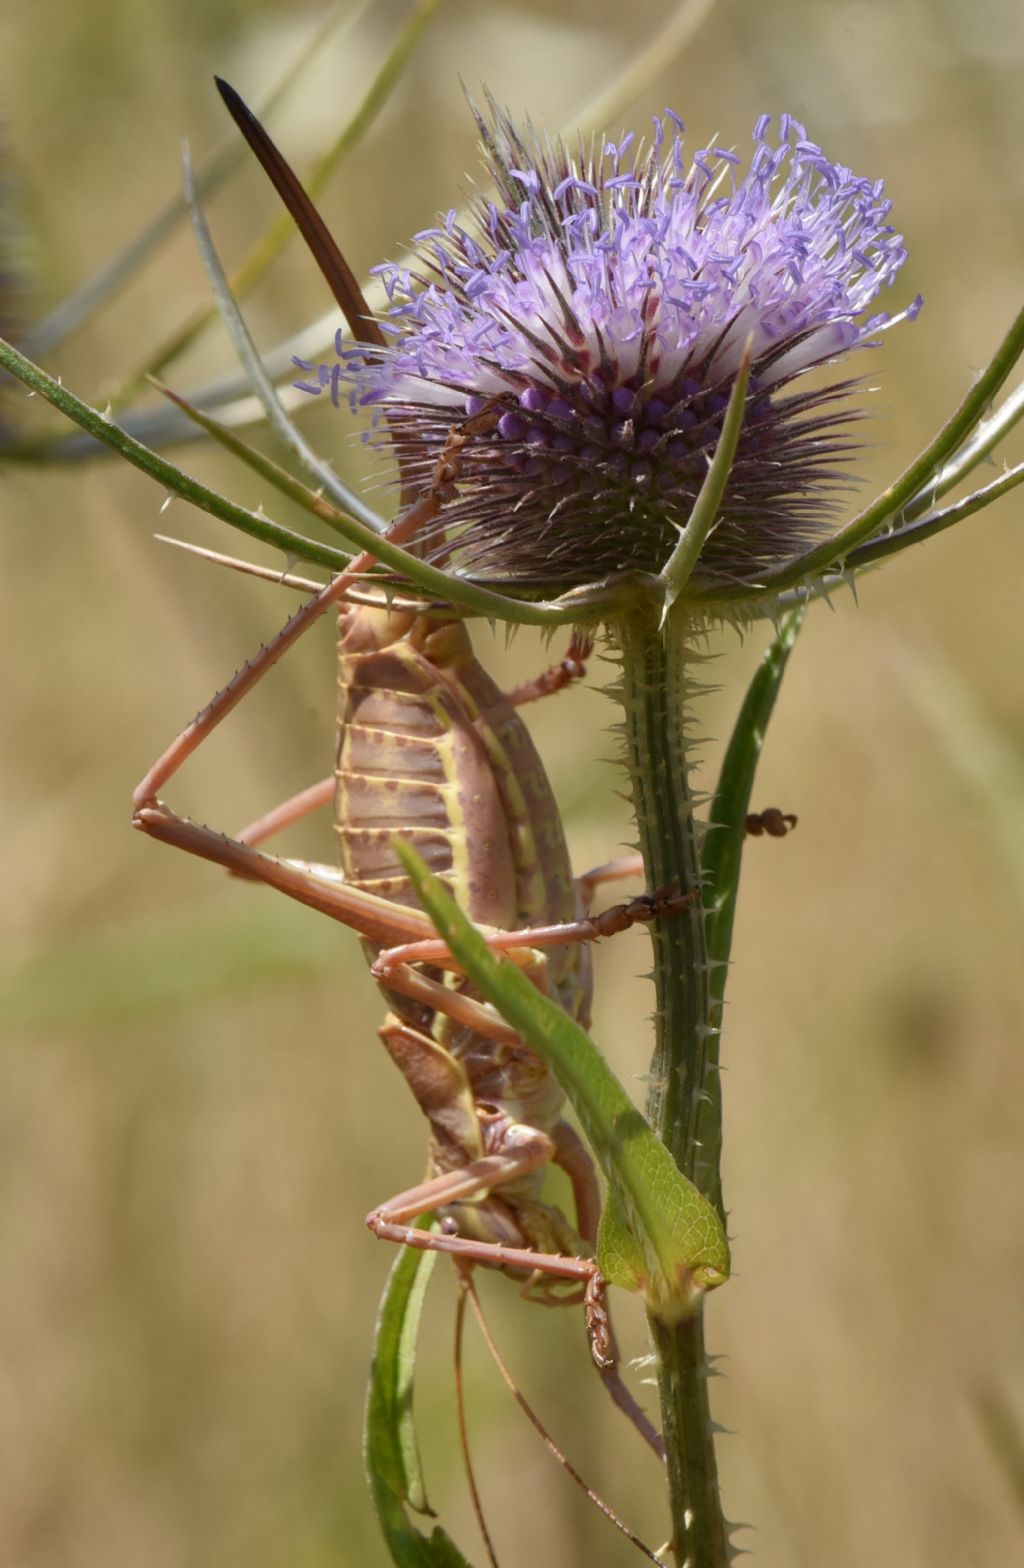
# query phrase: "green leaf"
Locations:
[[389, 1439], [659, 1236], [723, 842]]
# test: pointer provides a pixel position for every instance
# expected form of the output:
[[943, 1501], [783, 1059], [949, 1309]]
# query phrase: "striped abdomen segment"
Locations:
[[410, 763]]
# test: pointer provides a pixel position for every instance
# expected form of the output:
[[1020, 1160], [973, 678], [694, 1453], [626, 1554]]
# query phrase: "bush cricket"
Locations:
[[431, 753]]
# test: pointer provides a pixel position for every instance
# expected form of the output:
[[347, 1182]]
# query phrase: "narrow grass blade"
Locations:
[[683, 561], [1005, 1437], [723, 844], [390, 1449], [930, 523], [85, 301], [282, 230], [602, 111], [173, 479], [123, 974], [983, 442], [286, 431], [260, 464]]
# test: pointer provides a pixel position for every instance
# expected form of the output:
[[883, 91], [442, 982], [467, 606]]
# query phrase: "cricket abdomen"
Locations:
[[431, 751], [411, 764]]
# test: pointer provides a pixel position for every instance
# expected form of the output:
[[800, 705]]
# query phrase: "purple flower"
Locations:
[[584, 331]]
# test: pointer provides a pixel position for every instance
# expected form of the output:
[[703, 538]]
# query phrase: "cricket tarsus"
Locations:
[[772, 821], [568, 670], [589, 928]]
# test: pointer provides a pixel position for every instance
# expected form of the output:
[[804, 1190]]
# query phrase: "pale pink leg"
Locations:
[[378, 920], [619, 870], [246, 678], [572, 1155], [466, 1010], [572, 668], [667, 901], [411, 521], [531, 1151], [292, 810]]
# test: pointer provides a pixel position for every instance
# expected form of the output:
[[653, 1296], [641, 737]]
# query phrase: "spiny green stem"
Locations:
[[683, 1103]]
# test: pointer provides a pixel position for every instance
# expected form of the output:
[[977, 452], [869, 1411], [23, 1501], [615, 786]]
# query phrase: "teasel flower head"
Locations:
[[584, 329]]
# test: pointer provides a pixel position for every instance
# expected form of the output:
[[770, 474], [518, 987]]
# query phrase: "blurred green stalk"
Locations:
[[682, 1111]]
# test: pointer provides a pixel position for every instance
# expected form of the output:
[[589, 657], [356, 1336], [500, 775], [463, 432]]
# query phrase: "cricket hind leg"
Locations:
[[295, 809], [411, 521], [378, 921], [374, 918], [390, 1222]]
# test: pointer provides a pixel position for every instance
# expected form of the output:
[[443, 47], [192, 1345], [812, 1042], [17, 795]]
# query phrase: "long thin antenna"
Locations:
[[465, 1288], [469, 1289], [340, 278], [269, 574], [377, 592]]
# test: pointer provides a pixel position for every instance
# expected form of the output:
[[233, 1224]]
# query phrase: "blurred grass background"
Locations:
[[195, 1112]]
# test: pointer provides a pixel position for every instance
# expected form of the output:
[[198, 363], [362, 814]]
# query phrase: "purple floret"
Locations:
[[590, 321]]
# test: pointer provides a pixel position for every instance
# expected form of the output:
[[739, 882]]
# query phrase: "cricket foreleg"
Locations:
[[572, 668], [612, 871], [647, 906], [524, 1150]]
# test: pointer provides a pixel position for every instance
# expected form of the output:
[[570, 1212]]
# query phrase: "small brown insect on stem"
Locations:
[[771, 821]]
